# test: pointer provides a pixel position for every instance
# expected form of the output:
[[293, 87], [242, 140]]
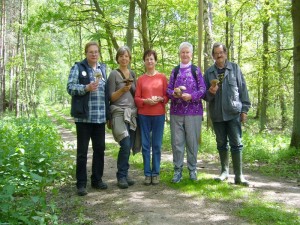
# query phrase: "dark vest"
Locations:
[[79, 104]]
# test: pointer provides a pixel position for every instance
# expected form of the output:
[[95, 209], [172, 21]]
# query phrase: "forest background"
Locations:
[[41, 39]]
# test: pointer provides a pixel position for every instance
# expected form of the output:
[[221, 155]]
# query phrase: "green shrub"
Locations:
[[32, 159]]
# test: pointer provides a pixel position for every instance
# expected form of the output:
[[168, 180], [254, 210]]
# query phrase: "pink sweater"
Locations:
[[148, 86]]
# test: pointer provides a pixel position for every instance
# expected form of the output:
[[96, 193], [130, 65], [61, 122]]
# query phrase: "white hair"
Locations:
[[186, 45]]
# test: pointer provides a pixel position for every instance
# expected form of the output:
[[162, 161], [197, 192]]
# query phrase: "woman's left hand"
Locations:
[[186, 97]]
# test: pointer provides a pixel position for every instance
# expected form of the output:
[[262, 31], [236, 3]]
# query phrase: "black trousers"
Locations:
[[85, 132]]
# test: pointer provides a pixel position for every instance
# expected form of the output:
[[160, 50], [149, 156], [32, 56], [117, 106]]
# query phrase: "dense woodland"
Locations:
[[41, 39]]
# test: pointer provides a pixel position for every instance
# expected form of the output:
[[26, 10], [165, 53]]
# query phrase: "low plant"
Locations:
[[32, 161]]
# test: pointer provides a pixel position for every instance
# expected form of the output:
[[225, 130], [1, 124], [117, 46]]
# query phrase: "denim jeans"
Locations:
[[85, 132], [124, 154], [229, 131], [152, 130]]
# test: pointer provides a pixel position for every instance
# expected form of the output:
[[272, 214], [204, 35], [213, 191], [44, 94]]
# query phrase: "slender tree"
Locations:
[[130, 28], [200, 32], [295, 140], [2, 56], [144, 31], [265, 59]]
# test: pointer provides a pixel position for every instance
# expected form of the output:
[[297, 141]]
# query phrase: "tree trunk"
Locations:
[[207, 18], [265, 59], [200, 32], [240, 39], [2, 57], [144, 30], [295, 140], [229, 31], [130, 28], [281, 78]]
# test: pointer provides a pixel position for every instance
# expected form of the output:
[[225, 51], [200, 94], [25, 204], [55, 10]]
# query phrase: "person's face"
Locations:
[[220, 56], [92, 54], [124, 59], [185, 55], [150, 62]]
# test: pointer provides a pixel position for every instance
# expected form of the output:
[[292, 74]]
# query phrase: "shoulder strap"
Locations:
[[121, 73], [194, 72], [176, 71]]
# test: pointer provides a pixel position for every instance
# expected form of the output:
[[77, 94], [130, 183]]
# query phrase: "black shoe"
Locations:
[[130, 181], [99, 185], [81, 191], [122, 183]]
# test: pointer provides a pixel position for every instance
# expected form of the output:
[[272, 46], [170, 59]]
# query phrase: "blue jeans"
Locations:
[[152, 130], [229, 131], [124, 154], [85, 132]]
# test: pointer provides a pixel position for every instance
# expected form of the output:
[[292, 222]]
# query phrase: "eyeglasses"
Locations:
[[219, 53], [93, 53]]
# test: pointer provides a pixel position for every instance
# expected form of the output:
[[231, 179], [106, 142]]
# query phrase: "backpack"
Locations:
[[194, 72]]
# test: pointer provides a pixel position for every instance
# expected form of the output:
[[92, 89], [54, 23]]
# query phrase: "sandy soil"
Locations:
[[160, 204]]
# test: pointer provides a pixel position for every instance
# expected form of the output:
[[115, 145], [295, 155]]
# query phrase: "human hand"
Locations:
[[213, 90], [126, 88], [243, 117], [214, 86], [93, 86], [151, 101], [108, 123], [186, 97]]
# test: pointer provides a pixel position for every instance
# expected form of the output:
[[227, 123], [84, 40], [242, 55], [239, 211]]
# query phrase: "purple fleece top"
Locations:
[[185, 78]]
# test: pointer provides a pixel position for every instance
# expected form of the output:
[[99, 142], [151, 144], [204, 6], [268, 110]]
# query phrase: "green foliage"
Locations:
[[268, 213], [32, 159]]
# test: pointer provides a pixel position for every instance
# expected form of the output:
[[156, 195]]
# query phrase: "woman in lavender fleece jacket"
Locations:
[[186, 112]]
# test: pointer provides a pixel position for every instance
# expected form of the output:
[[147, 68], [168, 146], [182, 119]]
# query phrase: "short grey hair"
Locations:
[[217, 45], [184, 45]]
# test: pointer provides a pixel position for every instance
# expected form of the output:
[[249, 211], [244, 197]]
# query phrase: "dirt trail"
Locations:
[[140, 204]]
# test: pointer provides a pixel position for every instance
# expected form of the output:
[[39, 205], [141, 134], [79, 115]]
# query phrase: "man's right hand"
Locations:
[[213, 90], [93, 86]]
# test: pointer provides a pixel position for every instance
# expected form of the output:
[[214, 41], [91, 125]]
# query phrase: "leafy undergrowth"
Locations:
[[32, 163]]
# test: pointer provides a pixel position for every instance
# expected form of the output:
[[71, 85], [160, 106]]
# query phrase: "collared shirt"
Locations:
[[96, 102]]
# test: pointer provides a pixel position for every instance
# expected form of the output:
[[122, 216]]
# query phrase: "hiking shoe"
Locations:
[[122, 183], [177, 177], [81, 191], [147, 181], [100, 185], [155, 180], [193, 175], [130, 181]]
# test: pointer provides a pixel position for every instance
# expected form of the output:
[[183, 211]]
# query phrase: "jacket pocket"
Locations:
[[79, 106]]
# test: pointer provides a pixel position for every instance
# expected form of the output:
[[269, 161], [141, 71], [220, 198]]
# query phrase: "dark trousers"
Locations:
[[85, 132], [124, 154]]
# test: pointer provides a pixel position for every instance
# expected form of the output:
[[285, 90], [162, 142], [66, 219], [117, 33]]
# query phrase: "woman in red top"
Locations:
[[151, 98]]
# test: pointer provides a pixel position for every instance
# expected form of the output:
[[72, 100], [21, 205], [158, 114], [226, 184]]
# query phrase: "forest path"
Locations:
[[160, 204]]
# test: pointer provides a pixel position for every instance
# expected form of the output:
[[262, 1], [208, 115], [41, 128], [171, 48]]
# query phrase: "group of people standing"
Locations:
[[135, 110]]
